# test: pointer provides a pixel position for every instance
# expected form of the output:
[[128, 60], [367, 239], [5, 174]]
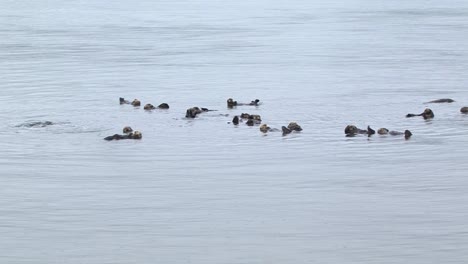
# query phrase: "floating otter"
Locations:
[[231, 103], [444, 100], [163, 106], [235, 120], [134, 135], [254, 120], [384, 131], [149, 107], [136, 102], [264, 128], [426, 114], [464, 110], [352, 130], [152, 107], [293, 126], [127, 130], [194, 111]]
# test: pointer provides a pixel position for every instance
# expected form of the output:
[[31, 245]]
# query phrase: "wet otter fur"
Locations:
[[352, 130], [464, 110], [127, 130], [444, 100], [134, 135], [384, 131], [427, 114]]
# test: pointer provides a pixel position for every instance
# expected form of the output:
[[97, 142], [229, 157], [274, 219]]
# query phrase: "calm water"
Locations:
[[204, 191]]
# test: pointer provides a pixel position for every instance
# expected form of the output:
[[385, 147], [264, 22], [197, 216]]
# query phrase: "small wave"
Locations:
[[32, 124]]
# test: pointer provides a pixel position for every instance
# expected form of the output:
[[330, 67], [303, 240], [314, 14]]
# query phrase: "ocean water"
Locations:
[[203, 190]]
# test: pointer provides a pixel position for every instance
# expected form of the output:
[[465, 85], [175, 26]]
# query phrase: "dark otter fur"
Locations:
[[163, 106], [123, 101], [352, 130], [127, 130], [235, 120], [444, 100], [134, 135], [231, 103], [427, 114], [464, 110]]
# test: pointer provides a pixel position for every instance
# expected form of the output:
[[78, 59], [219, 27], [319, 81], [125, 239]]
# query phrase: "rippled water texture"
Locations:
[[205, 191]]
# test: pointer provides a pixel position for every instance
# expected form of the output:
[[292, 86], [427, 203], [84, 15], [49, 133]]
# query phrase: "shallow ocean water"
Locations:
[[204, 191]]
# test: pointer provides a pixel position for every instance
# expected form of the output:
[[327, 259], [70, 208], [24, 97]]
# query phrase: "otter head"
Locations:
[[382, 131], [163, 106], [250, 122], [127, 130], [264, 128], [231, 102], [294, 126], [149, 107], [464, 110], [136, 135], [408, 134], [351, 130], [136, 102], [235, 120], [427, 113]]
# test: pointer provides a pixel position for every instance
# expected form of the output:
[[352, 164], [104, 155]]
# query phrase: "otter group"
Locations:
[[251, 120], [137, 103], [128, 134], [352, 130]]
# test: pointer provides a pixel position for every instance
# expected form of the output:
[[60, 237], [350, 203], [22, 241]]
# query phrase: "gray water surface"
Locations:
[[205, 191]]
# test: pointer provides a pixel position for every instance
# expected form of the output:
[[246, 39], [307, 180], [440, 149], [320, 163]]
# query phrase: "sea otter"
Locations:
[[136, 102], [149, 107], [444, 100], [231, 103], [194, 111], [464, 110], [134, 135], [293, 126], [253, 120], [127, 130], [427, 114], [352, 130], [163, 106], [235, 120], [384, 131]]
